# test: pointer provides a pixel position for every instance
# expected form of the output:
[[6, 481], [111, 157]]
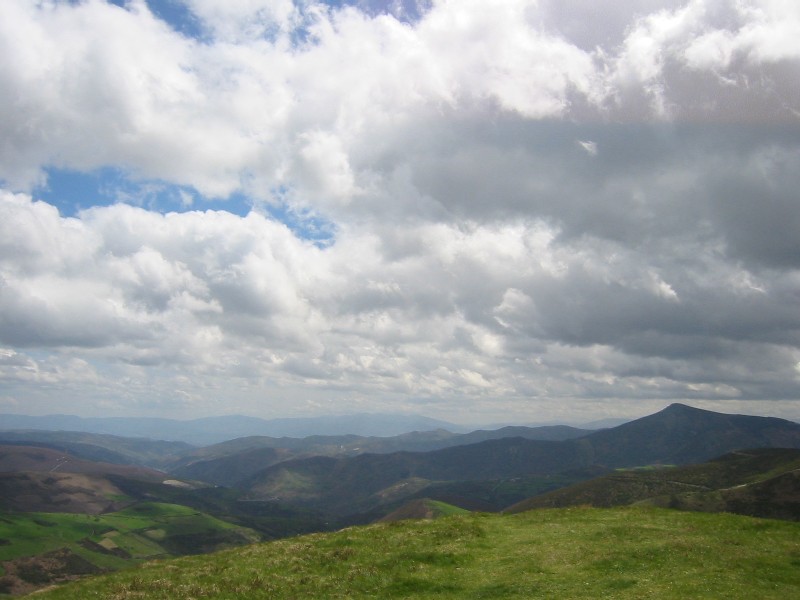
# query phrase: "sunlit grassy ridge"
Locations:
[[564, 553]]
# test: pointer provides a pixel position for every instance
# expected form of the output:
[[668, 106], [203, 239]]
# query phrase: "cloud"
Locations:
[[97, 85], [237, 20], [529, 202], [721, 60], [589, 146], [449, 312]]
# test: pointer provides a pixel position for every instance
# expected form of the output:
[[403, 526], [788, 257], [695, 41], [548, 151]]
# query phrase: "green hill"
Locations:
[[565, 553], [761, 482]]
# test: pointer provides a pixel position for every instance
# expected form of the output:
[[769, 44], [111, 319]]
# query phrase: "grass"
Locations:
[[641, 468], [564, 553], [443, 509], [35, 533]]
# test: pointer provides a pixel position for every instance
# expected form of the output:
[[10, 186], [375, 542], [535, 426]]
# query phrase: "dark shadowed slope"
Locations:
[[703, 483], [79, 493], [230, 470], [47, 460], [775, 498]]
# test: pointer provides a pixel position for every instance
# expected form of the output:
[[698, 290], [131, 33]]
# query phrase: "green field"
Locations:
[[442, 509], [29, 534], [564, 553], [111, 541]]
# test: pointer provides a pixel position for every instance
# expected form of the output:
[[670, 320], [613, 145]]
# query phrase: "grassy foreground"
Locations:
[[562, 553]]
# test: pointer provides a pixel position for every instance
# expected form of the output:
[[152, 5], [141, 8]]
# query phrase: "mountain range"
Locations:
[[212, 430], [354, 478], [678, 434], [140, 490]]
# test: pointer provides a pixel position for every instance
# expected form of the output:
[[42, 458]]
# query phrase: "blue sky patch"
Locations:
[[74, 191], [304, 223], [178, 15]]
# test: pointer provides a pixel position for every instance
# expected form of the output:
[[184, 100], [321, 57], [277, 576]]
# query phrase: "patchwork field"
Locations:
[[37, 548]]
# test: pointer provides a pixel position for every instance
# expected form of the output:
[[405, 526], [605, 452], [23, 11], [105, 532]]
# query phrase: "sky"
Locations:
[[509, 211]]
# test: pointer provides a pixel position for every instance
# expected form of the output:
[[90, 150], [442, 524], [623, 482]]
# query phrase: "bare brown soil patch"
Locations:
[[24, 575], [59, 492]]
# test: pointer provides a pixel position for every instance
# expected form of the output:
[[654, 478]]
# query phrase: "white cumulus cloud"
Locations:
[[535, 208]]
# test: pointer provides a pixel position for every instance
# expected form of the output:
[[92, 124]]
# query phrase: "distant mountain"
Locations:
[[551, 433], [231, 462], [680, 434], [212, 430], [102, 447], [604, 423], [346, 485], [46, 460], [364, 424], [677, 435]]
